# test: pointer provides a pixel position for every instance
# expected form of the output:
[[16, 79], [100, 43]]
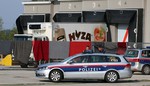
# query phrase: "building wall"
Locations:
[[40, 8], [146, 30], [87, 5]]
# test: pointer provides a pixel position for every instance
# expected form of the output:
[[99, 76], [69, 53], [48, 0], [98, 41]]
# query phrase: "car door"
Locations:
[[101, 64], [76, 68], [96, 67], [145, 59]]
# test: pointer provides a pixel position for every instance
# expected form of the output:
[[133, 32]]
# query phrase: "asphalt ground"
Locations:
[[15, 67], [16, 76]]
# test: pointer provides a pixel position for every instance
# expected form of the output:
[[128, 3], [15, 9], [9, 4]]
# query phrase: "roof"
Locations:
[[98, 54], [140, 49]]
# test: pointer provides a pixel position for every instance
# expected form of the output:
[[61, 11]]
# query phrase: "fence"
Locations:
[[45, 50]]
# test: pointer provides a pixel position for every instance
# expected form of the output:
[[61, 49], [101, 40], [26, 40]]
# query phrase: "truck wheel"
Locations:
[[111, 76], [23, 65], [146, 70], [55, 76]]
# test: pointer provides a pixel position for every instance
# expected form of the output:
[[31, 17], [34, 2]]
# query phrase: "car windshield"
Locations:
[[131, 53]]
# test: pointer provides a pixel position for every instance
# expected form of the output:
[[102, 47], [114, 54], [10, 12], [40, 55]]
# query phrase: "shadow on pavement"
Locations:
[[91, 81]]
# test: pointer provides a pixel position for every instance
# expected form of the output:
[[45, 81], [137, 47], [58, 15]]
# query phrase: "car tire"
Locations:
[[111, 76], [132, 72], [56, 76], [22, 65], [146, 70]]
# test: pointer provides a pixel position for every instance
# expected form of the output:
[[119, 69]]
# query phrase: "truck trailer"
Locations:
[[68, 21]]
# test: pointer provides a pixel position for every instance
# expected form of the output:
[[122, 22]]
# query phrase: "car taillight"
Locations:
[[128, 66]]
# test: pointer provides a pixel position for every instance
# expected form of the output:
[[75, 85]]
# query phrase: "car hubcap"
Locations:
[[112, 76], [55, 76], [146, 70]]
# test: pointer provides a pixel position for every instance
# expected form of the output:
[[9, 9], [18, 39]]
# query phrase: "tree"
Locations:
[[2, 35], [11, 33], [1, 24], [8, 34]]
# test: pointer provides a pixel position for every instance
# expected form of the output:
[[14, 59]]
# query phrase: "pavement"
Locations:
[[16, 67], [17, 76]]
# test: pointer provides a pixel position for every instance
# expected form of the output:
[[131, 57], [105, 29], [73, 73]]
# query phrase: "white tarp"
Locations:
[[80, 32]]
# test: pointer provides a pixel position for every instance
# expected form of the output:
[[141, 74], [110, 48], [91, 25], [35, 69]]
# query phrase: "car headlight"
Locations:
[[42, 68]]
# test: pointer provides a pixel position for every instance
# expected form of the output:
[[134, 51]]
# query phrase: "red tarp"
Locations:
[[41, 50], [121, 48], [78, 47]]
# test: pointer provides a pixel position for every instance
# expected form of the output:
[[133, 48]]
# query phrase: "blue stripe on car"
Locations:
[[96, 68], [144, 61]]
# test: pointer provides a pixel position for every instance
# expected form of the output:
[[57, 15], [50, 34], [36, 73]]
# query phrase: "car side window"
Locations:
[[146, 53], [99, 58], [95, 59], [76, 60], [81, 59], [114, 59], [87, 59]]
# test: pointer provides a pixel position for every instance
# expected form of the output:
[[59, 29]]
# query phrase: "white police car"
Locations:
[[139, 59], [99, 66]]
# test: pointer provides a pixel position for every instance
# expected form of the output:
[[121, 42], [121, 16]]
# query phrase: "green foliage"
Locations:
[[11, 34], [8, 34], [2, 35], [1, 23]]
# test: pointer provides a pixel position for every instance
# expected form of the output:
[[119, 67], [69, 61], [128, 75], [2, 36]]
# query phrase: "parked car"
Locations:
[[109, 67], [139, 59]]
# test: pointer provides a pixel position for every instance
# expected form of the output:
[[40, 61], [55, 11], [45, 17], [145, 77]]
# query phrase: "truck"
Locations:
[[86, 25]]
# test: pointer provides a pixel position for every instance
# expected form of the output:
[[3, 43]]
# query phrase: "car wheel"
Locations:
[[111, 76], [146, 70], [132, 72], [55, 76]]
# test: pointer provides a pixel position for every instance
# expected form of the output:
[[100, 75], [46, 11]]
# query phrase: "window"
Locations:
[[101, 58], [113, 59], [132, 53], [95, 59], [146, 53], [81, 59], [76, 60], [98, 58]]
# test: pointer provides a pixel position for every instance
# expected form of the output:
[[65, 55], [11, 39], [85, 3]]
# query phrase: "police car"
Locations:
[[139, 59], [109, 67]]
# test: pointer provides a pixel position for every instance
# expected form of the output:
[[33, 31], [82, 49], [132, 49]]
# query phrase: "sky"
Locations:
[[9, 11]]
